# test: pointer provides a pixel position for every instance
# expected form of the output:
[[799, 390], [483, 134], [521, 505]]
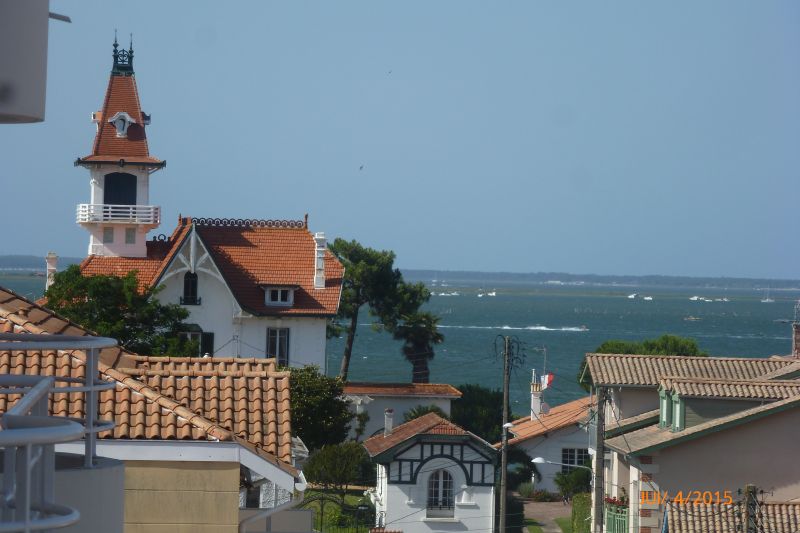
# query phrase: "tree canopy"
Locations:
[[663, 345], [479, 410], [114, 306], [335, 467], [320, 415], [371, 280]]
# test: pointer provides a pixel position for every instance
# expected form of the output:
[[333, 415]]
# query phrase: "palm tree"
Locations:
[[419, 334]]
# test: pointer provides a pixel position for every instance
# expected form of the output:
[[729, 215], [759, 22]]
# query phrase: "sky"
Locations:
[[522, 136]]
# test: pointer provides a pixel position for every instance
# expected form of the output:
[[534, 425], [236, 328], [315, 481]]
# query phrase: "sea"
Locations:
[[555, 324]]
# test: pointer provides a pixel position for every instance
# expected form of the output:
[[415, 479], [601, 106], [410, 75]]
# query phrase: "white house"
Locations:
[[254, 287], [558, 435], [372, 399], [432, 475]]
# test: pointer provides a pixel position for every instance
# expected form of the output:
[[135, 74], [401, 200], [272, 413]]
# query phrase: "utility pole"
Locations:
[[750, 509], [504, 442], [599, 460]]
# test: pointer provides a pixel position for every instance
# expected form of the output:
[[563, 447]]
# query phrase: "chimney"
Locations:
[[320, 245], [52, 265], [796, 340], [536, 396], [388, 420]]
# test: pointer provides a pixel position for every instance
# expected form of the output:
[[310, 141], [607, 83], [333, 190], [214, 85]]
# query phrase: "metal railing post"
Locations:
[[90, 409]]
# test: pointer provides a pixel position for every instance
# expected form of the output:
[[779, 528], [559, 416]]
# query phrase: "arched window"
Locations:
[[190, 289], [440, 495]]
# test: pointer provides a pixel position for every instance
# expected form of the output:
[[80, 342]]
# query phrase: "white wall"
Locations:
[[474, 505], [219, 313], [549, 447]]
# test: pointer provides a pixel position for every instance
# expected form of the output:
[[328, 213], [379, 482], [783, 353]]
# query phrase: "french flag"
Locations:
[[546, 380]]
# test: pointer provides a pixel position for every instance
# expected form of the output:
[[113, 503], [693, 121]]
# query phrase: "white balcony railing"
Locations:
[[28, 435], [130, 214]]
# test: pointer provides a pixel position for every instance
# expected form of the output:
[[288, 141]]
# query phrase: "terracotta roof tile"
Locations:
[[705, 518], [249, 258], [121, 96], [739, 389], [402, 389], [429, 424], [648, 370], [184, 398], [148, 269], [560, 416]]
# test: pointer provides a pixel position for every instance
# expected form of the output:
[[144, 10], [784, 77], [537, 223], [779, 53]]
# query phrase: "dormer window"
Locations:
[[283, 296], [121, 121]]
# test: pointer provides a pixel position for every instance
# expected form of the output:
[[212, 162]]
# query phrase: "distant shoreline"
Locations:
[[21, 264]]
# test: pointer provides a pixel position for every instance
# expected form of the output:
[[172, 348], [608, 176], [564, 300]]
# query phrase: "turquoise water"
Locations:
[[566, 320]]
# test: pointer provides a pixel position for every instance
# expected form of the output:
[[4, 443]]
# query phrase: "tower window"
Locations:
[[119, 188], [440, 495], [108, 235], [278, 345], [190, 290], [130, 235]]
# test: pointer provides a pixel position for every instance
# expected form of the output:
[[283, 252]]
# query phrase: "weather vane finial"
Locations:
[[123, 59]]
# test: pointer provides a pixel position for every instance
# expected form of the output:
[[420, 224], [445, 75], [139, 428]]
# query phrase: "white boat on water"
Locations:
[[491, 293], [631, 296], [481, 295], [766, 299], [648, 298], [694, 298]]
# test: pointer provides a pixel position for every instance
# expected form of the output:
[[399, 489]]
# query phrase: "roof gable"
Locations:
[[431, 425]]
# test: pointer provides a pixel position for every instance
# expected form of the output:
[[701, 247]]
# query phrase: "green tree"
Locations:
[[320, 415], [419, 334], [663, 345], [422, 410], [479, 410], [335, 467], [114, 306], [573, 482], [370, 279]]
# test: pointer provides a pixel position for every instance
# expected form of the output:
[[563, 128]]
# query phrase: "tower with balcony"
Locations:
[[119, 215]]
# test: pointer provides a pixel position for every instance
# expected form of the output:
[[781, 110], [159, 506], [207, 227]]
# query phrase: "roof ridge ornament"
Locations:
[[248, 222], [123, 59]]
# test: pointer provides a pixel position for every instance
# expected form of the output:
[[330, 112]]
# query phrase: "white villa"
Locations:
[[258, 287], [432, 476], [558, 435]]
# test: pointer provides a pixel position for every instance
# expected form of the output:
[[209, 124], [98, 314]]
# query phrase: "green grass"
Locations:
[[565, 524], [532, 525]]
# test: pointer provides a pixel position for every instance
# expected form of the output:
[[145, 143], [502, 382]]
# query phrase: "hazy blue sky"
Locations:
[[613, 137]]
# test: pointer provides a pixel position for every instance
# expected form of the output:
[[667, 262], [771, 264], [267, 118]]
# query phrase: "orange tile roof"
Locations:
[[774, 517], [253, 256], [647, 370], [560, 416], [429, 424], [741, 389], [161, 398], [159, 255], [249, 257], [121, 96], [402, 389]]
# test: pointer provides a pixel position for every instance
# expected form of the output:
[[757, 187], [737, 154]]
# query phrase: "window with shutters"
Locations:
[[190, 290], [204, 340]]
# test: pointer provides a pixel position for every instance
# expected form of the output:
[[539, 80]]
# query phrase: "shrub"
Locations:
[[544, 496], [525, 489], [581, 513]]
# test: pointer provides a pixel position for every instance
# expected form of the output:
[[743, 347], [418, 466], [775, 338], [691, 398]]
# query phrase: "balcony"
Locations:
[[121, 214], [191, 300]]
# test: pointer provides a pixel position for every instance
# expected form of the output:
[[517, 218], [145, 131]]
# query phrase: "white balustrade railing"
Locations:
[[28, 435], [138, 214]]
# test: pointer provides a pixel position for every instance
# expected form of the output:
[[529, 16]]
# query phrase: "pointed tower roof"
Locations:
[[121, 137]]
